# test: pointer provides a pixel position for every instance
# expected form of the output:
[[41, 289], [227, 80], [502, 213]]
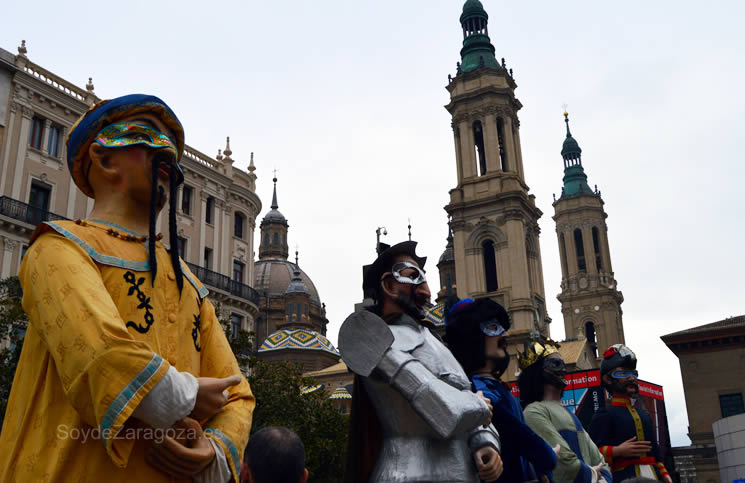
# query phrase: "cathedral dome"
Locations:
[[274, 277], [302, 339], [274, 216], [448, 255]]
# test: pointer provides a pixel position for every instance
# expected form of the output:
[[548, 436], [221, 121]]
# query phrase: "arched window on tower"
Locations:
[[563, 255], [591, 338], [580, 250], [596, 246], [289, 312], [502, 145], [478, 139], [266, 240], [490, 266], [276, 239]]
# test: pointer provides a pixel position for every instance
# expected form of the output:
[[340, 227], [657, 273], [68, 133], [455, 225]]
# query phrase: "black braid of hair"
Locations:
[[172, 229], [152, 260]]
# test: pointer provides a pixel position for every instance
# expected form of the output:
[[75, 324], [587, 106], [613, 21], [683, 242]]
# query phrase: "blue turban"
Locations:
[[108, 112]]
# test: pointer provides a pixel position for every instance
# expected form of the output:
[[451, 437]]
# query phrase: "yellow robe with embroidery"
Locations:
[[90, 356]]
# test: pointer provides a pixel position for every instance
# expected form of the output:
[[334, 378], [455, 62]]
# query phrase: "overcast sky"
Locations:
[[345, 99]]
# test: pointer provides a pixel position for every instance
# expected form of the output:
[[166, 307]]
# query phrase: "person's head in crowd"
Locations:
[[541, 368], [274, 455]]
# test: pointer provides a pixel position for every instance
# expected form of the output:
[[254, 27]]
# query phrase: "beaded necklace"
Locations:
[[118, 234]]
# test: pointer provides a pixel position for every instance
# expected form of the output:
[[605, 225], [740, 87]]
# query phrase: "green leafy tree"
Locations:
[[321, 426], [13, 323]]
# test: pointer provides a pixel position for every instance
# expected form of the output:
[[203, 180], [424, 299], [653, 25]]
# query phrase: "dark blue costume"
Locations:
[[619, 422], [522, 447]]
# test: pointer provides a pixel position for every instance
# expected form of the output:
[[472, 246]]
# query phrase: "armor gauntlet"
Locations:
[[447, 410]]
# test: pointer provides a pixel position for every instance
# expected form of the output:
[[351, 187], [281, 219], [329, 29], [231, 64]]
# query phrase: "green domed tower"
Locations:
[[477, 49], [590, 301]]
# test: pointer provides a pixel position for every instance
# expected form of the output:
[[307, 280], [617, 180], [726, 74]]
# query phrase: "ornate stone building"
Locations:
[[590, 301], [218, 204], [494, 218], [291, 324], [712, 362]]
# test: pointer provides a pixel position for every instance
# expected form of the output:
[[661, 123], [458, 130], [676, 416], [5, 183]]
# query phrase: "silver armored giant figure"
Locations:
[[430, 424]]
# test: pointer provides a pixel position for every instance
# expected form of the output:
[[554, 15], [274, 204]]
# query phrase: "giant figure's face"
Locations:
[[623, 380], [134, 164], [554, 370], [408, 289]]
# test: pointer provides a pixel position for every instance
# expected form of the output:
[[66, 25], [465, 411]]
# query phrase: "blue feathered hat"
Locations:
[[106, 112]]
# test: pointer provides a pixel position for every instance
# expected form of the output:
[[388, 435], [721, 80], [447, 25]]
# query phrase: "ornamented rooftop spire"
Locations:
[[219, 156], [89, 86], [477, 51], [227, 152], [575, 179], [251, 166], [22, 51], [570, 151], [274, 196], [409, 229]]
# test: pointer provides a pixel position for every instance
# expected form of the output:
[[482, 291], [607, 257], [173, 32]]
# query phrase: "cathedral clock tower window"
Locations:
[[500, 140], [596, 246], [591, 339], [490, 266], [580, 250], [478, 137]]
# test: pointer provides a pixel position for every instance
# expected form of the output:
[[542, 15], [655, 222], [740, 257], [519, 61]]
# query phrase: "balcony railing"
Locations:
[[222, 282], [26, 213]]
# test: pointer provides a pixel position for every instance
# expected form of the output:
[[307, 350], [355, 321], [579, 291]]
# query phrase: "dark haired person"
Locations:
[[476, 334], [274, 455], [623, 430], [121, 337], [541, 383], [414, 417]]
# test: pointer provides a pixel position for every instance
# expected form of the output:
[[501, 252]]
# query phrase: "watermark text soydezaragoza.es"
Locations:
[[157, 435]]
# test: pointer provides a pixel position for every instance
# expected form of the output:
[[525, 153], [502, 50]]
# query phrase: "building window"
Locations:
[[208, 258], [236, 322], [502, 147], [181, 247], [731, 404], [290, 308], [490, 266], [238, 269], [266, 240], [579, 248], [596, 246], [37, 132], [591, 338], [209, 213], [238, 225], [186, 195], [38, 200], [563, 255], [53, 144], [276, 239], [299, 311], [306, 311], [478, 139]]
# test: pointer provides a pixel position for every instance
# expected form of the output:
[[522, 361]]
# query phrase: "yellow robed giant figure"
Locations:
[[123, 353]]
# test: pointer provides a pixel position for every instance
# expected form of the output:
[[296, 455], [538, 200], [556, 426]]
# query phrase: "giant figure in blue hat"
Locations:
[[125, 374]]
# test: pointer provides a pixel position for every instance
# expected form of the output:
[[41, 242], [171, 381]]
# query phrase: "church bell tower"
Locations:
[[590, 303], [494, 218]]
